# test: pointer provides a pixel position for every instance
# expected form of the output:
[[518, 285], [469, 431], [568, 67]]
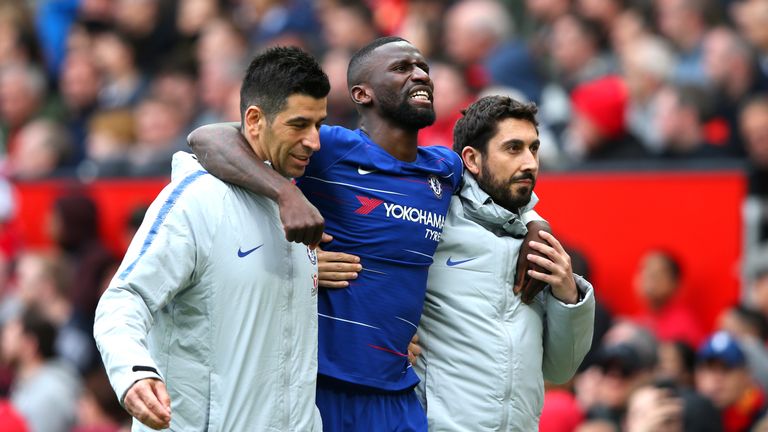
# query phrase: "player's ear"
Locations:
[[255, 121], [361, 94], [472, 158]]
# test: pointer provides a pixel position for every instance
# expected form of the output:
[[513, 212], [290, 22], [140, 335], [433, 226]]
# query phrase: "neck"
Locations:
[[400, 143], [254, 146], [28, 368], [59, 311]]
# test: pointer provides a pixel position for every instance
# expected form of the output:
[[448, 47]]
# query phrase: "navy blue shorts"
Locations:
[[346, 409]]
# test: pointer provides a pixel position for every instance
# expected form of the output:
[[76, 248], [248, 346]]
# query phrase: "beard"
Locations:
[[404, 114], [502, 192]]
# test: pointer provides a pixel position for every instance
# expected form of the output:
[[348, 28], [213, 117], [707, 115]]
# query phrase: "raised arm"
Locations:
[[224, 152]]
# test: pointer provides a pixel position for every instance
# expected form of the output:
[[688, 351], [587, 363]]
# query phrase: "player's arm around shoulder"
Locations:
[[225, 153]]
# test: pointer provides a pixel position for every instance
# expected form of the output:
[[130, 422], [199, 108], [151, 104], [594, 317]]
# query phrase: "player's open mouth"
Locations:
[[422, 96]]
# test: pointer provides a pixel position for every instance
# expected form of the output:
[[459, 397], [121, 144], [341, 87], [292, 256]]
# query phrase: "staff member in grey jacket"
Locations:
[[486, 350], [211, 320], [486, 353]]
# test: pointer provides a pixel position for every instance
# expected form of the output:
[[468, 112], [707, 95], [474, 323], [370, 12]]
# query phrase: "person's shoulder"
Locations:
[[440, 153], [444, 160]]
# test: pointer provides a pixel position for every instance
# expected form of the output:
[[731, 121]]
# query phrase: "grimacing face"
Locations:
[[401, 85], [288, 140], [510, 164]]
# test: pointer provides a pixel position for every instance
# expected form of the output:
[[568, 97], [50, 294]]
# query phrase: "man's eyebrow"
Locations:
[[298, 119], [517, 141]]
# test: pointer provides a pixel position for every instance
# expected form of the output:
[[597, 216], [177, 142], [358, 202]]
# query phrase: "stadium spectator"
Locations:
[[647, 64], [757, 273], [348, 25], [598, 130], [685, 124], [657, 284], [751, 18], [45, 390], [621, 368], [159, 134], [177, 83], [193, 15], [73, 227], [124, 83], [43, 149], [220, 40], [577, 56], [341, 109], [44, 283], [685, 23], [23, 97], [654, 409], [752, 120], [17, 35], [479, 37], [97, 409], [148, 26], [111, 135], [722, 375], [750, 328], [733, 71], [79, 86], [676, 361], [218, 79]]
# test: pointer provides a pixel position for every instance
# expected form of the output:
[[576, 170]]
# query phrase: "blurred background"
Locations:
[[654, 172]]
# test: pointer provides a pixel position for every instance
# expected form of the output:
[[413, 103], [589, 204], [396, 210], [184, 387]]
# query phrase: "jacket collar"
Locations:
[[479, 206]]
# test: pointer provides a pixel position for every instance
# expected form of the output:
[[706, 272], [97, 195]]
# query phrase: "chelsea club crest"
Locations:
[[434, 184], [312, 255]]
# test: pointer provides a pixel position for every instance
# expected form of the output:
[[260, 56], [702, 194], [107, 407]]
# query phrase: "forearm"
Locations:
[[223, 151], [568, 335]]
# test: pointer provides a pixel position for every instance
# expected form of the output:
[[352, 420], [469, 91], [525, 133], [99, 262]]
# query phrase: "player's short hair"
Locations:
[[356, 71], [278, 73], [480, 120]]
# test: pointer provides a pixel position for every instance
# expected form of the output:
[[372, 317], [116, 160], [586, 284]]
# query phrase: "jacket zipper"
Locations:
[[508, 295]]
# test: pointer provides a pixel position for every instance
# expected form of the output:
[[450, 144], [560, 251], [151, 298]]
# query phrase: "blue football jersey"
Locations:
[[390, 213]]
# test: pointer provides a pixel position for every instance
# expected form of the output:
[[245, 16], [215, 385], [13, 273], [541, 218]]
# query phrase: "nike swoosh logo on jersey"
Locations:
[[362, 171], [451, 263], [243, 254]]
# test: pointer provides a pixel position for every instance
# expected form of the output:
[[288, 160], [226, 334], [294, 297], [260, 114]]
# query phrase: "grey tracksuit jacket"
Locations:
[[485, 353], [212, 299]]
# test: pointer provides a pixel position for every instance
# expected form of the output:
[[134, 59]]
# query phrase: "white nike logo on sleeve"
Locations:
[[362, 171]]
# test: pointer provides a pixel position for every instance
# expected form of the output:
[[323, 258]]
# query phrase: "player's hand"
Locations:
[[148, 401], [556, 265], [414, 350], [302, 222], [336, 269], [524, 283]]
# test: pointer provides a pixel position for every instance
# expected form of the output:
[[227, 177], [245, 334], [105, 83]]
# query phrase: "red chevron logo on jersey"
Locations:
[[367, 204]]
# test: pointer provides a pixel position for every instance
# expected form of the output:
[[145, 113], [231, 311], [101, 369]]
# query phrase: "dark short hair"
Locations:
[[355, 70], [278, 73], [480, 120], [35, 324]]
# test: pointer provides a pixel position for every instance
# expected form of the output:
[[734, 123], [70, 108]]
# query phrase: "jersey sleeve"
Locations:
[[173, 238], [453, 163], [335, 142]]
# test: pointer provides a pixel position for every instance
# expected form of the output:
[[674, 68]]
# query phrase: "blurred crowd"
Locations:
[[94, 89]]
